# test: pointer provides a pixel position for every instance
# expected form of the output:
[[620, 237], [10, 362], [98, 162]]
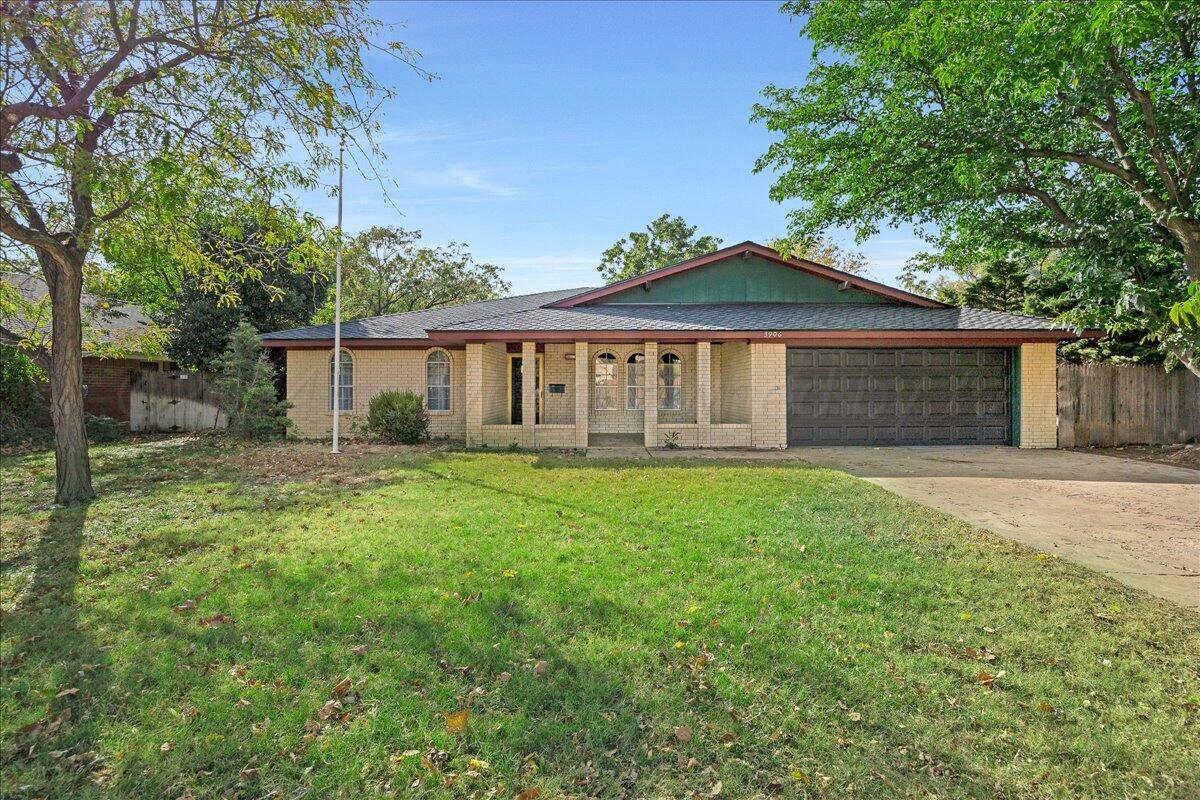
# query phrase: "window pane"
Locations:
[[438, 398], [606, 398], [670, 398], [635, 398]]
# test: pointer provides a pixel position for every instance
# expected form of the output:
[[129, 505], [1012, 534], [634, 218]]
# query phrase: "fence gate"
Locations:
[[173, 401], [1115, 404]]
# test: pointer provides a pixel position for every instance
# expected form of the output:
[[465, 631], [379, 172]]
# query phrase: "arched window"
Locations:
[[437, 381], [670, 382], [635, 382], [342, 387], [605, 394]]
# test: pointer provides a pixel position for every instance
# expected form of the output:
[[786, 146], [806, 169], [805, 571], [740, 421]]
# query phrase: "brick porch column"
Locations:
[[650, 422], [528, 394], [703, 394], [582, 394], [474, 388]]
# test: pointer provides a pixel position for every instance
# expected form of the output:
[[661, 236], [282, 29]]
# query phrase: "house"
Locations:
[[116, 339], [739, 348]]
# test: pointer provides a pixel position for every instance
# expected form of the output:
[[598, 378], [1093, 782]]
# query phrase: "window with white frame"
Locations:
[[635, 382], [342, 386], [670, 382], [437, 381], [605, 383]]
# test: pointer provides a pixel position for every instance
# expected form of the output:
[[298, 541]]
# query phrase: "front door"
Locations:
[[514, 386]]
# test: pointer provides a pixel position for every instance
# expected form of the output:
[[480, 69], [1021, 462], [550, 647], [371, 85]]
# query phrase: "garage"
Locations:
[[898, 396]]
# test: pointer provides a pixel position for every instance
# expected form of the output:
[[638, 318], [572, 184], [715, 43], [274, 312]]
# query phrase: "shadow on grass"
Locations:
[[55, 651]]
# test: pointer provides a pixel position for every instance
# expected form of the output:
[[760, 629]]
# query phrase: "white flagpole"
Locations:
[[337, 305]]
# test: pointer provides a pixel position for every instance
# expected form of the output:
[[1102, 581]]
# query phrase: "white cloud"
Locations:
[[459, 176]]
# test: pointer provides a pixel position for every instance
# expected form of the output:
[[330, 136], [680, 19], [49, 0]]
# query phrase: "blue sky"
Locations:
[[554, 129]]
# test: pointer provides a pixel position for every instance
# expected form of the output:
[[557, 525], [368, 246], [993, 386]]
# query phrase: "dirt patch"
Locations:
[[1177, 455]]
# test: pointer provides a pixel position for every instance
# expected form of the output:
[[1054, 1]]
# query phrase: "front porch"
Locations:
[[688, 394]]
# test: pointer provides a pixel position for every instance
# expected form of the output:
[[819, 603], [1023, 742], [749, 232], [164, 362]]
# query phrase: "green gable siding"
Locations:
[[742, 280]]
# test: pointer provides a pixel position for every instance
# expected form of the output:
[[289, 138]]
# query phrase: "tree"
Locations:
[[667, 240], [117, 118], [245, 387], [287, 291], [1069, 128], [387, 271], [823, 250]]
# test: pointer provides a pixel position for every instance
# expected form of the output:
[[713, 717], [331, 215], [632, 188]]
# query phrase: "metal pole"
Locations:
[[337, 305]]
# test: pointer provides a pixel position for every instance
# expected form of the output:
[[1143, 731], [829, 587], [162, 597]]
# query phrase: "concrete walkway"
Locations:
[[1136, 521]]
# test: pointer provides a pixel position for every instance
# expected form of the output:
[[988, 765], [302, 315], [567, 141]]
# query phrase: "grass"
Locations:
[[229, 621]]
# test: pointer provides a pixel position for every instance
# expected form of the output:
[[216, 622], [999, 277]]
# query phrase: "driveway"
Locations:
[[1138, 522]]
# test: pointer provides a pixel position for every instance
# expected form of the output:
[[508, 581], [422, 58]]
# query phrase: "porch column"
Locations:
[[474, 387], [582, 394], [703, 394], [529, 389], [650, 422]]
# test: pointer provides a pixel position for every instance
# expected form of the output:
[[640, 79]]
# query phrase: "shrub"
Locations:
[[398, 417], [245, 388]]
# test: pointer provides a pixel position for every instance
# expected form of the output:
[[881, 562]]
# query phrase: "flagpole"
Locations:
[[337, 305]]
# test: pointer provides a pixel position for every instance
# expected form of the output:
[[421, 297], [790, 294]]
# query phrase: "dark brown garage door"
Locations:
[[898, 396]]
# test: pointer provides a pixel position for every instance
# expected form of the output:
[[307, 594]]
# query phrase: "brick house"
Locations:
[[114, 332], [739, 348]]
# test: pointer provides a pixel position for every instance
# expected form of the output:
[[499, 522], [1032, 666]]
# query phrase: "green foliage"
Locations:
[[387, 271], [823, 250], [245, 388], [832, 635], [666, 240], [23, 411], [277, 288], [1067, 129], [398, 418]]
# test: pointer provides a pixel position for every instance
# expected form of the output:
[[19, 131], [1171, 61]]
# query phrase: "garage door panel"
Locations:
[[898, 396]]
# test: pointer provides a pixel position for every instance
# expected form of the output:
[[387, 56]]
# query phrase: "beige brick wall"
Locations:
[[768, 375], [1038, 374], [375, 370], [495, 384], [734, 383]]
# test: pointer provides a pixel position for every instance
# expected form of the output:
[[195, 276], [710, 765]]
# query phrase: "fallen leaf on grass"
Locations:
[[341, 687], [166, 747], [532, 793], [683, 733], [1045, 707], [360, 650], [67, 692], [987, 678], [215, 620], [539, 669], [457, 721], [185, 606], [478, 765]]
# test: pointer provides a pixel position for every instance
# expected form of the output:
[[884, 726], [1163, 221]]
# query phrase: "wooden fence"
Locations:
[[173, 401], [1115, 404]]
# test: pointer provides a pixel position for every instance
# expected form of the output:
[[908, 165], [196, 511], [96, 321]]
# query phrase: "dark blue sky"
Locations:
[[555, 128]]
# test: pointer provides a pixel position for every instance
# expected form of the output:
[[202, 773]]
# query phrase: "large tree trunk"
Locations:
[[73, 471]]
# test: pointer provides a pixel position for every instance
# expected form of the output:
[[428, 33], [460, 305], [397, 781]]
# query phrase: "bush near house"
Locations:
[[398, 418]]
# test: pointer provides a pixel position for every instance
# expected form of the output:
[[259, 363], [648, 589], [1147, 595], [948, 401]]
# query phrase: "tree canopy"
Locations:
[[285, 292], [120, 121], [1062, 128], [386, 270], [665, 241]]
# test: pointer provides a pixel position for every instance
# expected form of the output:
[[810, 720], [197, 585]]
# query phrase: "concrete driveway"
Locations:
[[1136, 521]]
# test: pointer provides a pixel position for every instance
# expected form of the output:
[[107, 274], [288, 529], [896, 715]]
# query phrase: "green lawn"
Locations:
[[227, 621]]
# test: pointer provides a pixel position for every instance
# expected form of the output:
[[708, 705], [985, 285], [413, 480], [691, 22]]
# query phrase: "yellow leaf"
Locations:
[[510, 573], [1045, 707], [693, 609], [478, 765], [457, 722], [800, 775], [679, 645], [965, 616]]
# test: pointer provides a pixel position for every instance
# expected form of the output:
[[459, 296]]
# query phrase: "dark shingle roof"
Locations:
[[532, 312], [414, 324], [754, 317]]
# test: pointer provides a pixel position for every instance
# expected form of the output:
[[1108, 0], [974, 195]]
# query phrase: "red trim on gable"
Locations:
[[811, 267]]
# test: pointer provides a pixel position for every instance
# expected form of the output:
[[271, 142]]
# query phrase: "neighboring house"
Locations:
[[115, 334], [739, 348]]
